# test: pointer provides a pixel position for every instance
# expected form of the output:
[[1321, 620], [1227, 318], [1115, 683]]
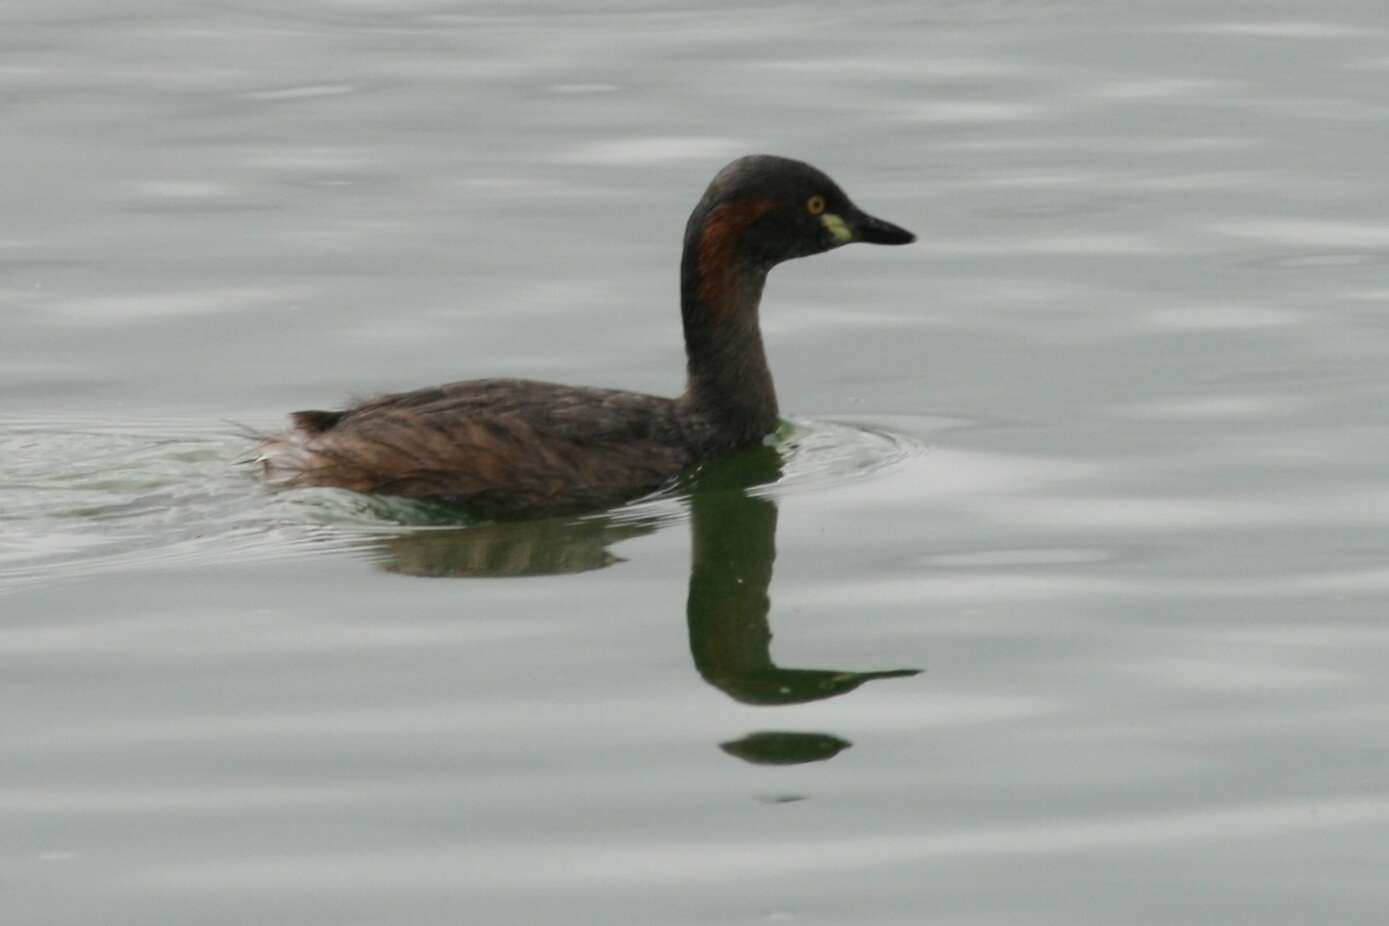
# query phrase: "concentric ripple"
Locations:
[[819, 453]]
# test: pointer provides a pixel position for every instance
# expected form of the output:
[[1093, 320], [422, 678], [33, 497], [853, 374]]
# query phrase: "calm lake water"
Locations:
[[1103, 456]]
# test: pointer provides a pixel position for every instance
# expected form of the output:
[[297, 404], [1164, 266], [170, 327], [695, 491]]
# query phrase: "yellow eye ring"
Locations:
[[815, 205]]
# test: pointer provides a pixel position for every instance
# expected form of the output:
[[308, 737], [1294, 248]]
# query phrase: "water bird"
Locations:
[[516, 447]]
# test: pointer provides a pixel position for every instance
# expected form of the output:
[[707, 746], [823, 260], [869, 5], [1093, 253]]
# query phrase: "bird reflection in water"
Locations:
[[733, 548]]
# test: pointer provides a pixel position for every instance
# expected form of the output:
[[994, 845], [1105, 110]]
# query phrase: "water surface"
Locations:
[[1100, 460]]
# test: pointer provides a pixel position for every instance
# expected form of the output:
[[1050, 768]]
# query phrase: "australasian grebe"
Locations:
[[513, 446]]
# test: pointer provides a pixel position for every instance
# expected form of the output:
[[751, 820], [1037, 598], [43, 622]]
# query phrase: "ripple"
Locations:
[[1054, 556], [82, 496], [1217, 317], [638, 151], [1311, 232], [1275, 29], [820, 453], [573, 89], [973, 111], [306, 92], [156, 306]]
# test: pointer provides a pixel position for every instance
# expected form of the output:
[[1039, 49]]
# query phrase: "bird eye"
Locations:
[[815, 205]]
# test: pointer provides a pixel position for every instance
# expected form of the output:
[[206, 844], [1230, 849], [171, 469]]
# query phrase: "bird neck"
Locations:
[[728, 380]]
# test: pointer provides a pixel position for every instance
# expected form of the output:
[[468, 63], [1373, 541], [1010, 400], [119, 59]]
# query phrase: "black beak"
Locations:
[[875, 231]]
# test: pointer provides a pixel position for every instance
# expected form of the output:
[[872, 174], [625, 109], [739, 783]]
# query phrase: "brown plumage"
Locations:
[[509, 447]]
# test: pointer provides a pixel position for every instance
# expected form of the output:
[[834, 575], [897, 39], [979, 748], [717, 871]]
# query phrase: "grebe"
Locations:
[[506, 447]]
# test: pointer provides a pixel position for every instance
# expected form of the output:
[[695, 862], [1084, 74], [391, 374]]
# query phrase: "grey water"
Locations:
[[1060, 598]]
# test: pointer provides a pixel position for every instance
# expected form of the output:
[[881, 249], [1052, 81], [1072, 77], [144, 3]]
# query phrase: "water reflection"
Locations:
[[770, 747], [512, 548], [733, 548]]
